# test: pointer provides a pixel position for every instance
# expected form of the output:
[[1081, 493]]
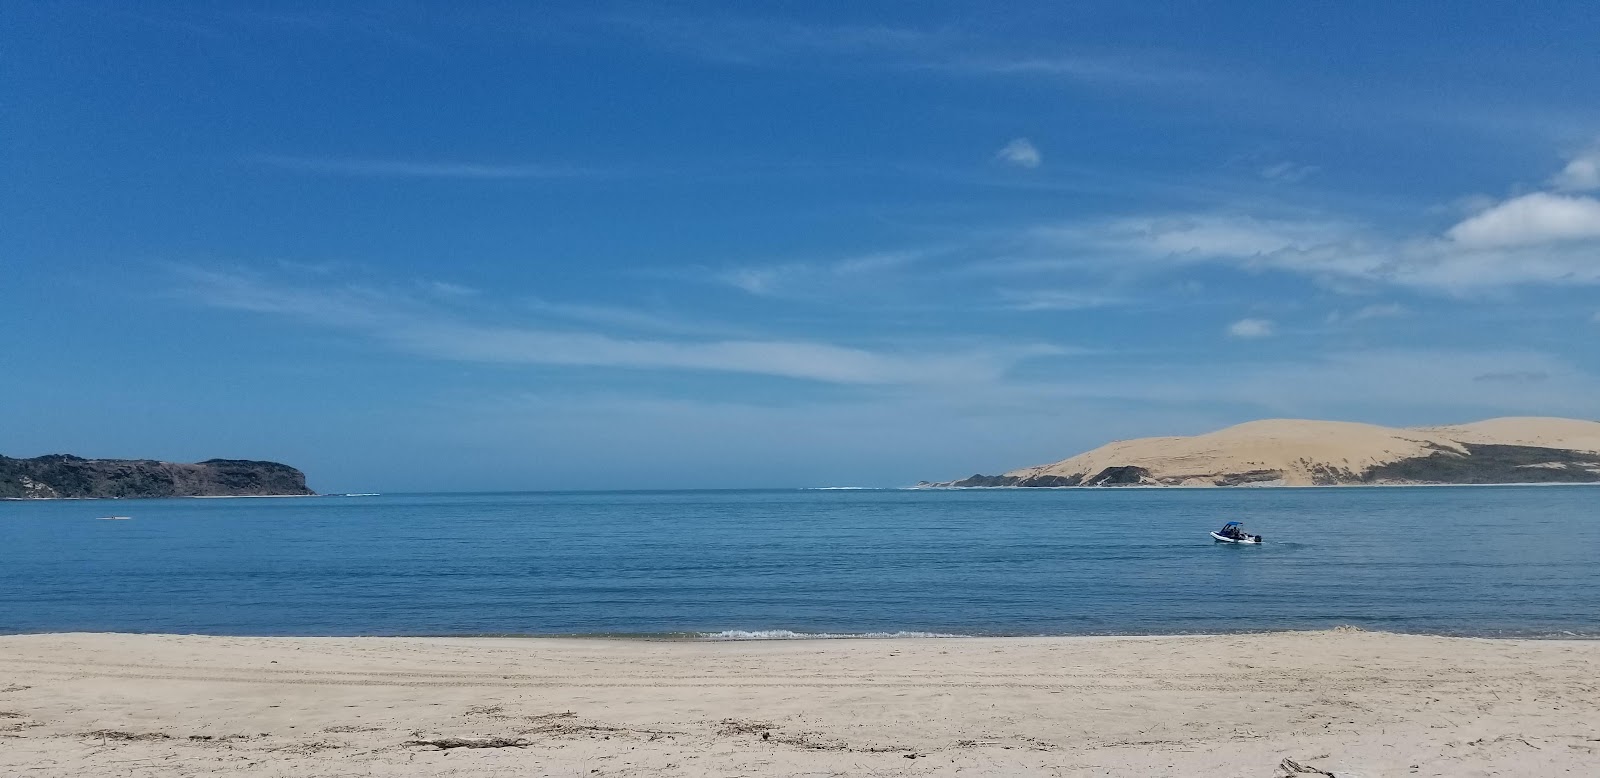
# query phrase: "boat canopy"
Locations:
[[1230, 524]]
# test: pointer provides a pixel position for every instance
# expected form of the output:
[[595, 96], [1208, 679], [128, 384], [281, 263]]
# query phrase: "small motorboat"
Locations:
[[1232, 532]]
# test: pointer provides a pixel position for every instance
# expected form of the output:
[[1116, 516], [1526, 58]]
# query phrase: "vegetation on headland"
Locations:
[[67, 476]]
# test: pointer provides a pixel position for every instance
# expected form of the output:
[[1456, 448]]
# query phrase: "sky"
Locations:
[[501, 246]]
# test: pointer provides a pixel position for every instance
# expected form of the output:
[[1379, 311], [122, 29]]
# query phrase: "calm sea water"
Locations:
[[1467, 560]]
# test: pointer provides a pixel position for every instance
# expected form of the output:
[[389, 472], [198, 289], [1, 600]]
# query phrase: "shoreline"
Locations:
[[1237, 487], [178, 497], [1342, 701], [791, 636], [914, 488]]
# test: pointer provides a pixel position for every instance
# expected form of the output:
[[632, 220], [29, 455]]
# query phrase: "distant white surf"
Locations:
[[784, 634]]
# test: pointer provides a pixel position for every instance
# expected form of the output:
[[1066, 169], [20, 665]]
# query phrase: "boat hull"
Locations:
[[1249, 540]]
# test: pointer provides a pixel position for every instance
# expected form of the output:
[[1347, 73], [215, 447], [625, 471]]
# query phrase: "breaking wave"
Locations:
[[785, 634]]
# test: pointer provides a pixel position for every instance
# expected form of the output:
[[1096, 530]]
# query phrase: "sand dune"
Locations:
[[1349, 703], [1296, 452], [1529, 431]]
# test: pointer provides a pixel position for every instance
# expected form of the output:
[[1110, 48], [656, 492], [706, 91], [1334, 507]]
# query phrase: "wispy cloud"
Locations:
[[805, 279], [421, 327], [391, 168], [1252, 328], [636, 320], [1537, 239], [1045, 299], [1083, 68], [767, 42], [1201, 235], [759, 280], [1020, 153], [453, 291], [1531, 240], [1370, 312], [1288, 172]]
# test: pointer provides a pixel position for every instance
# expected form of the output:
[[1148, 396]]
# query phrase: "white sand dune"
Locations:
[[1349, 703], [1299, 452]]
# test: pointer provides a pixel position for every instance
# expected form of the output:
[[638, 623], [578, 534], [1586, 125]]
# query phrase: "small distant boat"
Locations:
[[113, 518], [1233, 532]]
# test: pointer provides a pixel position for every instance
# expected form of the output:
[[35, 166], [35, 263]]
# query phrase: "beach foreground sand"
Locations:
[[1345, 702]]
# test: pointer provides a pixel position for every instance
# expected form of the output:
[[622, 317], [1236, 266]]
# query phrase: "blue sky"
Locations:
[[449, 246]]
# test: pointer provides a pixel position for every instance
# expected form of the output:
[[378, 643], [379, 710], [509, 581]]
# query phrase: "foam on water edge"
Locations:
[[785, 634]]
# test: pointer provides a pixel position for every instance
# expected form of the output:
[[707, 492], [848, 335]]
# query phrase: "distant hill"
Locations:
[[63, 475], [1294, 452]]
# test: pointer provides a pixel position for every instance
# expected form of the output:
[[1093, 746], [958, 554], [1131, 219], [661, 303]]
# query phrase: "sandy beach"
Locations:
[[1343, 702]]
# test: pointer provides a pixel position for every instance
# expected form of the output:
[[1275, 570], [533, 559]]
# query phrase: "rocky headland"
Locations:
[[1295, 452], [66, 476]]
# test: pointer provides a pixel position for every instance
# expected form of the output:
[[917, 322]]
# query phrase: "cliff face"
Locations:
[[1290, 452], [63, 475]]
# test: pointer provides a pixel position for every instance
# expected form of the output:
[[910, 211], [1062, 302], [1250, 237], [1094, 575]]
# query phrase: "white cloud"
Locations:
[[1535, 238], [1581, 174], [1020, 152], [1499, 248], [1531, 219], [408, 324], [1252, 328]]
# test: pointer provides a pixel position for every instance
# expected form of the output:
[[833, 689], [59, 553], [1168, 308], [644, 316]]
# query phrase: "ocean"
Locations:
[[785, 563]]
